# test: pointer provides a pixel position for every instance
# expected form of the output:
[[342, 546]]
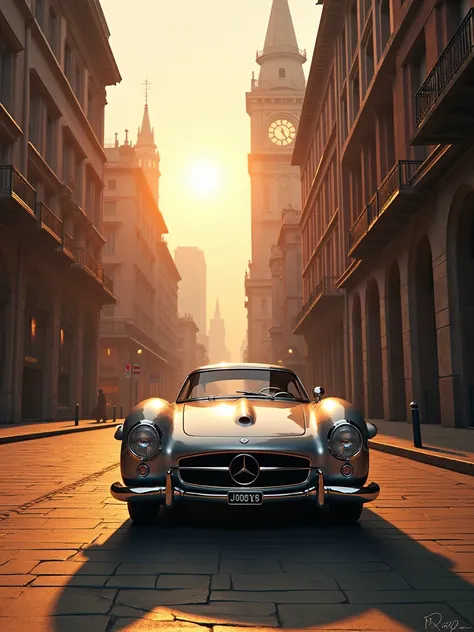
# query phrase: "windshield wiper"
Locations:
[[256, 393]]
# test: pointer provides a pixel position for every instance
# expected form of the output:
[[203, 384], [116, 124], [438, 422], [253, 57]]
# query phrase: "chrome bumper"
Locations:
[[319, 493]]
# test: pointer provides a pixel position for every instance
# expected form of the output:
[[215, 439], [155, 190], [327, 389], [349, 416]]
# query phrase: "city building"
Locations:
[[385, 145], [273, 104], [217, 345], [285, 264], [138, 335], [55, 65], [187, 346], [192, 298]]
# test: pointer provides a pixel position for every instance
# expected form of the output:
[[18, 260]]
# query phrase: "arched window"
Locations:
[[281, 73]]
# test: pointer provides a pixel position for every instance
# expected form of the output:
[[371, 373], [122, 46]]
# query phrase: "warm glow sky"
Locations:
[[199, 57]]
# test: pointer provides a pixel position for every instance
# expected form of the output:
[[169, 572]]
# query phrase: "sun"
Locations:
[[204, 178]]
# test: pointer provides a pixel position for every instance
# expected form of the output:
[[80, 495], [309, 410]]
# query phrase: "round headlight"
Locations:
[[345, 441], [144, 441]]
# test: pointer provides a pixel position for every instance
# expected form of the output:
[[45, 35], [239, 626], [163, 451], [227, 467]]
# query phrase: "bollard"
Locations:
[[415, 420], [115, 413], [121, 411], [76, 415]]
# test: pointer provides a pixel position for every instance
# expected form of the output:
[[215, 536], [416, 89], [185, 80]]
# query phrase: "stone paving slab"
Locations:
[[29, 431], [220, 571]]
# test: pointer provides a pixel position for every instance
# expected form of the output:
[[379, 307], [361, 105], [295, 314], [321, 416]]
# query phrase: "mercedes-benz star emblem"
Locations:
[[244, 440], [244, 469]]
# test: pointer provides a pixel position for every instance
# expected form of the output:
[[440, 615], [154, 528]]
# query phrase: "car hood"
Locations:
[[243, 417]]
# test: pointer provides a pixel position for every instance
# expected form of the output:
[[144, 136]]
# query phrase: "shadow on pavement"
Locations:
[[274, 568]]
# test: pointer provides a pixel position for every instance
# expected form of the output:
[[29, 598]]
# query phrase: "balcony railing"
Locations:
[[84, 258], [397, 180], [47, 218], [449, 63], [108, 284], [326, 285], [68, 242], [12, 183]]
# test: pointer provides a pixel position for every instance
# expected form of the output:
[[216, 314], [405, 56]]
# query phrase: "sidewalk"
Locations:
[[450, 448], [13, 433]]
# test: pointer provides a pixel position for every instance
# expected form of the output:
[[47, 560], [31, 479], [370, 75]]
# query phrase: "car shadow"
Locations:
[[276, 567]]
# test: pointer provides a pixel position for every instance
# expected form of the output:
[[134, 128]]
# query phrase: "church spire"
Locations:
[[281, 61], [281, 36]]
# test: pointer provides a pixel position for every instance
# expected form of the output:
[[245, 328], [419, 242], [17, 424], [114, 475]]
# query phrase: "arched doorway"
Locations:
[[89, 388], [461, 277], [357, 357], [425, 343], [374, 352], [396, 371]]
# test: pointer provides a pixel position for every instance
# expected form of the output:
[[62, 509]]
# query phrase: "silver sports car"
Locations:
[[245, 434]]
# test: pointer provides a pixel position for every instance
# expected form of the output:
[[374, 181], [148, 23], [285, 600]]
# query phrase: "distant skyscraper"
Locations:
[[192, 296], [217, 347]]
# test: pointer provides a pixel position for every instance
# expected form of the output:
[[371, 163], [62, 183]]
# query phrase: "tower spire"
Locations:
[[281, 61], [217, 311], [281, 36]]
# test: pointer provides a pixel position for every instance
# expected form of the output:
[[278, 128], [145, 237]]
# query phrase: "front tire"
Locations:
[[143, 513], [345, 514]]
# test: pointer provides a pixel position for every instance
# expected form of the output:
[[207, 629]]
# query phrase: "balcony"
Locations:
[[94, 277], [287, 50], [444, 110], [17, 197], [321, 300], [388, 210], [50, 225]]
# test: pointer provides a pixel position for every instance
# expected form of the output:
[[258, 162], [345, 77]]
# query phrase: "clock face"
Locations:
[[282, 132]]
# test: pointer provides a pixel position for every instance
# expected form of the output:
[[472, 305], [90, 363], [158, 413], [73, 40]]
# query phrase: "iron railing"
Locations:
[[459, 48], [108, 284], [398, 179], [325, 285], [13, 183], [46, 216], [68, 242], [84, 258]]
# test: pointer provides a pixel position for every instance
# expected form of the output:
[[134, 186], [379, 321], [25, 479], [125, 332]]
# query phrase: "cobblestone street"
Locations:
[[71, 561]]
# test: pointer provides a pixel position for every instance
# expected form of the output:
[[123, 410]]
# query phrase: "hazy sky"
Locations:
[[199, 57]]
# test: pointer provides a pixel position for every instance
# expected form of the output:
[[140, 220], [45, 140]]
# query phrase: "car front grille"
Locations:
[[275, 469]]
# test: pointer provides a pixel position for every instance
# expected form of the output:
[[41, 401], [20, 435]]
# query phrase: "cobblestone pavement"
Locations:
[[73, 563]]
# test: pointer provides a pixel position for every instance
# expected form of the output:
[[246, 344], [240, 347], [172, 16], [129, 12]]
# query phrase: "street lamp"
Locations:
[[290, 351], [140, 351]]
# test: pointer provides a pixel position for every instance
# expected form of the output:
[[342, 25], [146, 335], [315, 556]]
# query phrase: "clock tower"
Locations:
[[274, 105]]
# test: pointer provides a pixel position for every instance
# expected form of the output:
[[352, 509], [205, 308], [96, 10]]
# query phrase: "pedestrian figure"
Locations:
[[101, 408]]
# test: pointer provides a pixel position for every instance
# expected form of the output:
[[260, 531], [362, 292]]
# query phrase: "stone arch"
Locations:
[[424, 333], [460, 256], [357, 354], [395, 360], [374, 352]]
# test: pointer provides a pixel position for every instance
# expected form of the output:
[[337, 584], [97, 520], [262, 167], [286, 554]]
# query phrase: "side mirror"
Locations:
[[371, 430], [119, 433], [318, 392]]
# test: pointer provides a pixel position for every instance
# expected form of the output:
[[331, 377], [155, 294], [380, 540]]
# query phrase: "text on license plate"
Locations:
[[244, 498]]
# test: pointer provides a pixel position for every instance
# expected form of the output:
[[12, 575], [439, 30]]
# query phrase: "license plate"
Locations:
[[244, 498]]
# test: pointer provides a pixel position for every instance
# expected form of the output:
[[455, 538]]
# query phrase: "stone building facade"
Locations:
[[56, 63], [273, 104], [285, 264], [192, 298], [388, 214], [142, 328]]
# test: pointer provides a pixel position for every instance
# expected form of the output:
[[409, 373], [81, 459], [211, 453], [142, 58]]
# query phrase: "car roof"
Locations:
[[241, 365]]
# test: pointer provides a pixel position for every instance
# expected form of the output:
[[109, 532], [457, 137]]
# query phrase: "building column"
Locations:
[[77, 360], [50, 386], [383, 344], [94, 368], [26, 96], [18, 342], [406, 334], [449, 386]]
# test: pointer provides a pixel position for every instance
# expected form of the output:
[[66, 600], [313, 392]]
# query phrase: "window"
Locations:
[[110, 208], [51, 137], [7, 61], [264, 306], [112, 184], [39, 12], [68, 62], [109, 236], [281, 73], [264, 331], [53, 31]]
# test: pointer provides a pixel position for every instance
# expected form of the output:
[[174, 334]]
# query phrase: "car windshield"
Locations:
[[233, 383]]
